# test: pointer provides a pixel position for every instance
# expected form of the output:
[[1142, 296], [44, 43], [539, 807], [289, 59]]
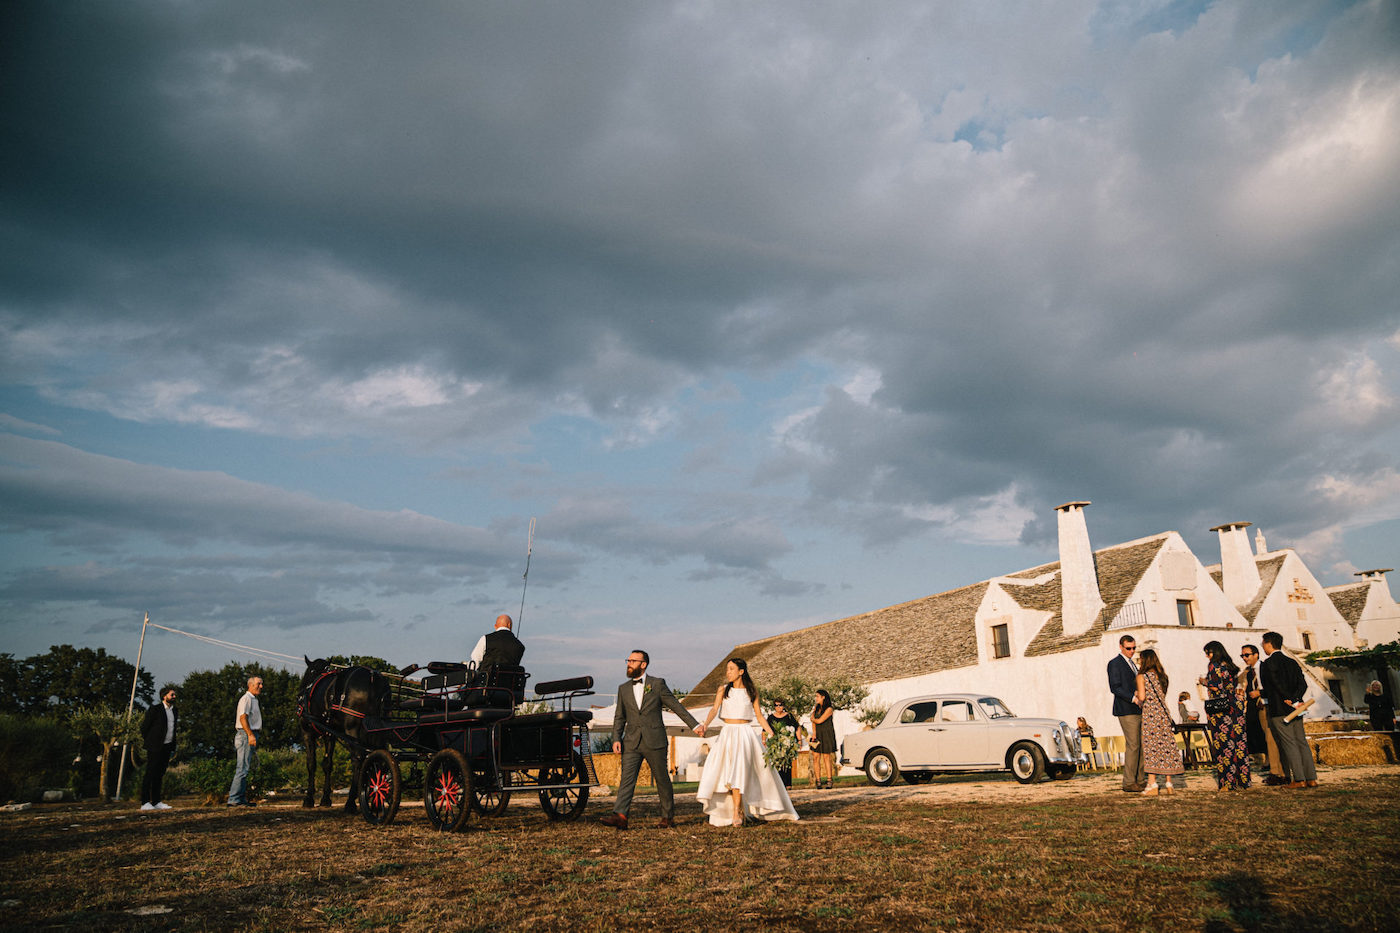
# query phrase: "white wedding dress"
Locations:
[[736, 761]]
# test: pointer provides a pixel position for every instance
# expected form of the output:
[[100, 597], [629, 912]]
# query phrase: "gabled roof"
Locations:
[[1268, 576], [935, 633], [1350, 599]]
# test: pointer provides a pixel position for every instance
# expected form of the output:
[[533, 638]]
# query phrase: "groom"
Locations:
[[639, 733]]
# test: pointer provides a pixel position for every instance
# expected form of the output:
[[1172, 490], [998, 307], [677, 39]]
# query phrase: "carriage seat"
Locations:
[[480, 716], [509, 677]]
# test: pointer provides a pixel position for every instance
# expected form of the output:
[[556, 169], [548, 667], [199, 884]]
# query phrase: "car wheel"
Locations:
[[1027, 762], [881, 768]]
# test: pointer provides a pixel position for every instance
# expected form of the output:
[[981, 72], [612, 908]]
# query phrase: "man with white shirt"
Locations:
[[640, 733], [158, 736], [499, 646], [1122, 682], [247, 725]]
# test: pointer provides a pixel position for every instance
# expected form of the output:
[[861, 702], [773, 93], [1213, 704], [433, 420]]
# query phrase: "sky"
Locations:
[[767, 313]]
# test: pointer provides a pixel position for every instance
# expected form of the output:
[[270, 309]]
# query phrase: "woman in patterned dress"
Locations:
[[1159, 754], [1228, 736]]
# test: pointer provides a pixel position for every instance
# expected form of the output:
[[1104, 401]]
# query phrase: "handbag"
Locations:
[[1217, 705]]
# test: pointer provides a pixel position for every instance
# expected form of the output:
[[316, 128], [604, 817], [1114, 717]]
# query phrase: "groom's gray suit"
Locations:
[[643, 736]]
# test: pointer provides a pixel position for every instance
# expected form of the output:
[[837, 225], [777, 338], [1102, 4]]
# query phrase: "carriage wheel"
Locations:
[[379, 788], [447, 788], [568, 803], [491, 801]]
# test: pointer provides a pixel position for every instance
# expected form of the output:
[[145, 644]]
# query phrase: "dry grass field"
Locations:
[[978, 853]]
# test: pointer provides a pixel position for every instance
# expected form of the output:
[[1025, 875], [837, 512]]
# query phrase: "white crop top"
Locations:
[[737, 705]]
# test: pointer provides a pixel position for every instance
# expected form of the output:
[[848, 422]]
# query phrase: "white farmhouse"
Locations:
[[1041, 639]]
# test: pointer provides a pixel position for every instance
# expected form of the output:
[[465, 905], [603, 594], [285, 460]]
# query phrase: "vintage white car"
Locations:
[[961, 732]]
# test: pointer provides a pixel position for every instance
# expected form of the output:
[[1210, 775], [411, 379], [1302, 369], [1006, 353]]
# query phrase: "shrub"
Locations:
[[36, 754]]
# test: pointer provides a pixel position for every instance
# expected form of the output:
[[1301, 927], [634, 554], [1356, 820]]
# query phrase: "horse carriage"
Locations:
[[455, 735]]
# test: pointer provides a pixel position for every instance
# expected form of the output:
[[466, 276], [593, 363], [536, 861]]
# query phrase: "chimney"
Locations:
[[1079, 580], [1261, 547], [1239, 575]]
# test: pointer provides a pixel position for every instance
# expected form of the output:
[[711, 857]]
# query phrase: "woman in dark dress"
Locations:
[[1228, 737], [781, 717], [824, 739], [1382, 713]]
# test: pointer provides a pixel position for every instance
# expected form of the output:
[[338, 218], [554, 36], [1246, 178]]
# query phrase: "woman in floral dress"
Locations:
[[1228, 737], [1159, 753]]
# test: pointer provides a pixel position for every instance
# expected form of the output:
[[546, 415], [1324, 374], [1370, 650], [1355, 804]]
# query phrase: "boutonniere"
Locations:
[[646, 689]]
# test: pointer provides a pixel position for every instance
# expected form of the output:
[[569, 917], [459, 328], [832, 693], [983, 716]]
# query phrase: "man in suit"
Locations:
[[639, 734], [158, 735], [1256, 718], [1284, 687], [499, 646], [1122, 682]]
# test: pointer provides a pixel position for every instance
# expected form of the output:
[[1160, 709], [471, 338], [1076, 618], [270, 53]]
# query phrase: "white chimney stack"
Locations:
[[1239, 574], [1079, 578]]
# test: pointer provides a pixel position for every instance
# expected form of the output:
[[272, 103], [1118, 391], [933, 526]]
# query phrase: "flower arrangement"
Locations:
[[781, 749]]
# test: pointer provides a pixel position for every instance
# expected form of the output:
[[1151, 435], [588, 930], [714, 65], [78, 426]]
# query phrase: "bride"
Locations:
[[735, 782]]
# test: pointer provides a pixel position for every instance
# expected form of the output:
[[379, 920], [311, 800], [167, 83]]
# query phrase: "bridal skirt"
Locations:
[[736, 762]]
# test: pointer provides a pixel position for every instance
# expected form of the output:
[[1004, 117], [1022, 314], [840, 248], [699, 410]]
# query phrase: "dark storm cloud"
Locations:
[[1137, 252]]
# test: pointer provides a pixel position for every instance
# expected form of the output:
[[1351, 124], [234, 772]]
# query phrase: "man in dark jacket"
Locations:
[[158, 735], [1284, 687]]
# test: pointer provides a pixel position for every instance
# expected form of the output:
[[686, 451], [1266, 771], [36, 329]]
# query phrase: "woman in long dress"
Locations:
[[1159, 754], [1228, 737], [736, 782]]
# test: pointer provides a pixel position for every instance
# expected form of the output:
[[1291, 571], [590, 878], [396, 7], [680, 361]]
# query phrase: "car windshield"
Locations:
[[995, 709]]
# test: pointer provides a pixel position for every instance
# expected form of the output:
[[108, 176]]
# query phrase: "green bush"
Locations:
[[282, 771], [36, 754]]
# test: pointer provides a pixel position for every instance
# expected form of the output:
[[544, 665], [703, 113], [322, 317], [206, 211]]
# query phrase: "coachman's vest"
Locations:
[[502, 647]]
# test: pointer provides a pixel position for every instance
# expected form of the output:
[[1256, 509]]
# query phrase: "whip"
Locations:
[[529, 549]]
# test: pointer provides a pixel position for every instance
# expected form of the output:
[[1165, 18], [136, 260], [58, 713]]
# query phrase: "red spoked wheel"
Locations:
[[379, 788], [447, 791]]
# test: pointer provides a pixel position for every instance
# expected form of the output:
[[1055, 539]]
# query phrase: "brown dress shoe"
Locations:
[[665, 823], [1311, 783], [1298, 784], [615, 819]]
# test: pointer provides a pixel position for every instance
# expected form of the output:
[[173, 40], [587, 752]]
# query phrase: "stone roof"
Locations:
[[1350, 599], [1119, 570], [935, 633], [1268, 576]]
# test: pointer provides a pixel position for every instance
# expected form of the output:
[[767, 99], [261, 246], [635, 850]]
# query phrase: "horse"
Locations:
[[332, 704]]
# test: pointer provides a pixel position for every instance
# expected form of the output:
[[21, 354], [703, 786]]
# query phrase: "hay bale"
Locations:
[[1362, 748], [1319, 726]]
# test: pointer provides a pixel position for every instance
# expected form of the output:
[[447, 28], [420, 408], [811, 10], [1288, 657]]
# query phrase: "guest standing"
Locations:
[[1159, 755], [158, 736], [1122, 683], [824, 739], [1284, 688], [1382, 713], [247, 727], [781, 717], [1228, 738]]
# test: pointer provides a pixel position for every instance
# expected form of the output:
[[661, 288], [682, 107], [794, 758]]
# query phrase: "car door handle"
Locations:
[[935, 728]]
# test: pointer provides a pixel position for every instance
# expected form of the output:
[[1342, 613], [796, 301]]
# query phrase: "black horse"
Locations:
[[333, 704]]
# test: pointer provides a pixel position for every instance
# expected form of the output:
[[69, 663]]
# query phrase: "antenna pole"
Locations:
[[529, 550]]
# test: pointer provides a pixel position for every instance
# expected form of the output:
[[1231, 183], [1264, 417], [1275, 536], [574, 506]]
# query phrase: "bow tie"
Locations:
[[639, 680]]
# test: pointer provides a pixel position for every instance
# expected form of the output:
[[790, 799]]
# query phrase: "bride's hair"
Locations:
[[744, 679]]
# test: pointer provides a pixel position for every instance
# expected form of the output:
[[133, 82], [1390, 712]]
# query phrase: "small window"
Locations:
[[919, 712], [960, 711], [1334, 687], [1307, 641], [1001, 641], [1185, 612]]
